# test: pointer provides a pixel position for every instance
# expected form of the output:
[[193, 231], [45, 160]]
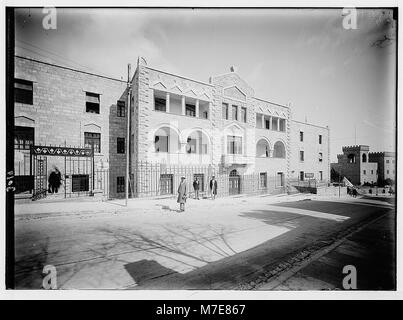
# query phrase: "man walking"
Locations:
[[182, 193], [213, 187], [196, 188]]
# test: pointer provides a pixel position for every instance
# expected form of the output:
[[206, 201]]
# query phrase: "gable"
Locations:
[[234, 92]]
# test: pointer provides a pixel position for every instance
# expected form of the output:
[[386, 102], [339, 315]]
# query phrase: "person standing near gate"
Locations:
[[54, 180], [182, 194], [196, 187], [213, 187]]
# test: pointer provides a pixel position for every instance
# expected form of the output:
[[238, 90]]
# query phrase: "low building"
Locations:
[[386, 166], [178, 127]]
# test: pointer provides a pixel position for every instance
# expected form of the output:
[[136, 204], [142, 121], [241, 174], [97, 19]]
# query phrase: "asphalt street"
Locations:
[[228, 243]]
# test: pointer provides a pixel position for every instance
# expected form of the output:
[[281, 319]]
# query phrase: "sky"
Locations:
[[343, 78]]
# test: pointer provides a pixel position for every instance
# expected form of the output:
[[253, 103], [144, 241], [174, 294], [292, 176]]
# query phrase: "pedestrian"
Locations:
[[182, 194], [355, 193], [213, 187], [196, 188], [54, 180]]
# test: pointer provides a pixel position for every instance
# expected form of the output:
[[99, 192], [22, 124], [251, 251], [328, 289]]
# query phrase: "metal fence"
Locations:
[[153, 179]]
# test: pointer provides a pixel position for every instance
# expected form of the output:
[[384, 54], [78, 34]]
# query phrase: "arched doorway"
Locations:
[[234, 183]]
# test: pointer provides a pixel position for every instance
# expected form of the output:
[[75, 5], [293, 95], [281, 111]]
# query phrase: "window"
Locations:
[[91, 102], [225, 111], [321, 175], [365, 171], [93, 140], [351, 158], [120, 184], [301, 156], [387, 171], [120, 145], [267, 123], [282, 125], [235, 113], [243, 114], [205, 115], [387, 161], [280, 179], [161, 143], [191, 145], [364, 157], [372, 171], [301, 136], [166, 184], [274, 124], [263, 180], [190, 110], [320, 139], [320, 156], [279, 150], [80, 182], [234, 145], [160, 104], [120, 108], [23, 138], [23, 91], [301, 175]]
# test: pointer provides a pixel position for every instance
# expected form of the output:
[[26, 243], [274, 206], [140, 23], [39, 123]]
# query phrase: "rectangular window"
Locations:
[[387, 171], [301, 175], [190, 110], [225, 111], [235, 113], [120, 145], [320, 139], [282, 125], [92, 102], [372, 171], [93, 140], [23, 138], [200, 177], [320, 156], [120, 184], [301, 136], [263, 180], [80, 182], [234, 145], [365, 171], [267, 123], [387, 161], [321, 175], [120, 108], [243, 114], [274, 124], [161, 143], [280, 179], [301, 156], [160, 104], [23, 91]]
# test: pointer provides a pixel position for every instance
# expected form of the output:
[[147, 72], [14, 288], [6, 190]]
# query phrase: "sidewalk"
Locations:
[[370, 250]]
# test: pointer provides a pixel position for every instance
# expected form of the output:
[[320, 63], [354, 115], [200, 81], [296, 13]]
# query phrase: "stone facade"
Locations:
[[386, 164], [356, 166], [174, 121]]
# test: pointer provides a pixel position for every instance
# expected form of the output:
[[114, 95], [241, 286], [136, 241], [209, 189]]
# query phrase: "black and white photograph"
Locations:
[[201, 148]]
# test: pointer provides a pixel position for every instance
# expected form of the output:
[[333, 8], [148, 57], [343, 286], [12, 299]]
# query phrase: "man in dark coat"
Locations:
[[54, 180], [182, 194], [213, 187], [196, 187]]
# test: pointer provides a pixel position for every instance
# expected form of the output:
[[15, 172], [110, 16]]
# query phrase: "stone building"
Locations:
[[178, 126], [355, 165], [386, 165]]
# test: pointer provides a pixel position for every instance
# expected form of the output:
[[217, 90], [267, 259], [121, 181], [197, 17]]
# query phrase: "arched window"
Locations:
[[234, 173], [166, 140], [262, 149], [197, 142], [351, 158], [364, 157], [279, 150]]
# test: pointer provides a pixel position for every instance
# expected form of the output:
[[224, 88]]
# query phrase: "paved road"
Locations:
[[221, 244]]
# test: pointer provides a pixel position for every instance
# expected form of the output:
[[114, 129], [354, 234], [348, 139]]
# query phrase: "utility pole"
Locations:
[[129, 98]]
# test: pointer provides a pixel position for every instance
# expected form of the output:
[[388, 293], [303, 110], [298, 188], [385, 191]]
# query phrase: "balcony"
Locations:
[[228, 159]]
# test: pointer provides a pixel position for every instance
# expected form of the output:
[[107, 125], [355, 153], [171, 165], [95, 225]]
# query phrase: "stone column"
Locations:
[[263, 124], [183, 106], [271, 123], [167, 102], [278, 124], [209, 111], [197, 108]]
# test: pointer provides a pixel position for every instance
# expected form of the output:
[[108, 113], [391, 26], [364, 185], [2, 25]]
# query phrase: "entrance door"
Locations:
[[166, 184], [234, 183]]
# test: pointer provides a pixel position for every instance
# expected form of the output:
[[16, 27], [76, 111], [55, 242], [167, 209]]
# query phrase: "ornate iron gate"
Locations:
[[76, 166]]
